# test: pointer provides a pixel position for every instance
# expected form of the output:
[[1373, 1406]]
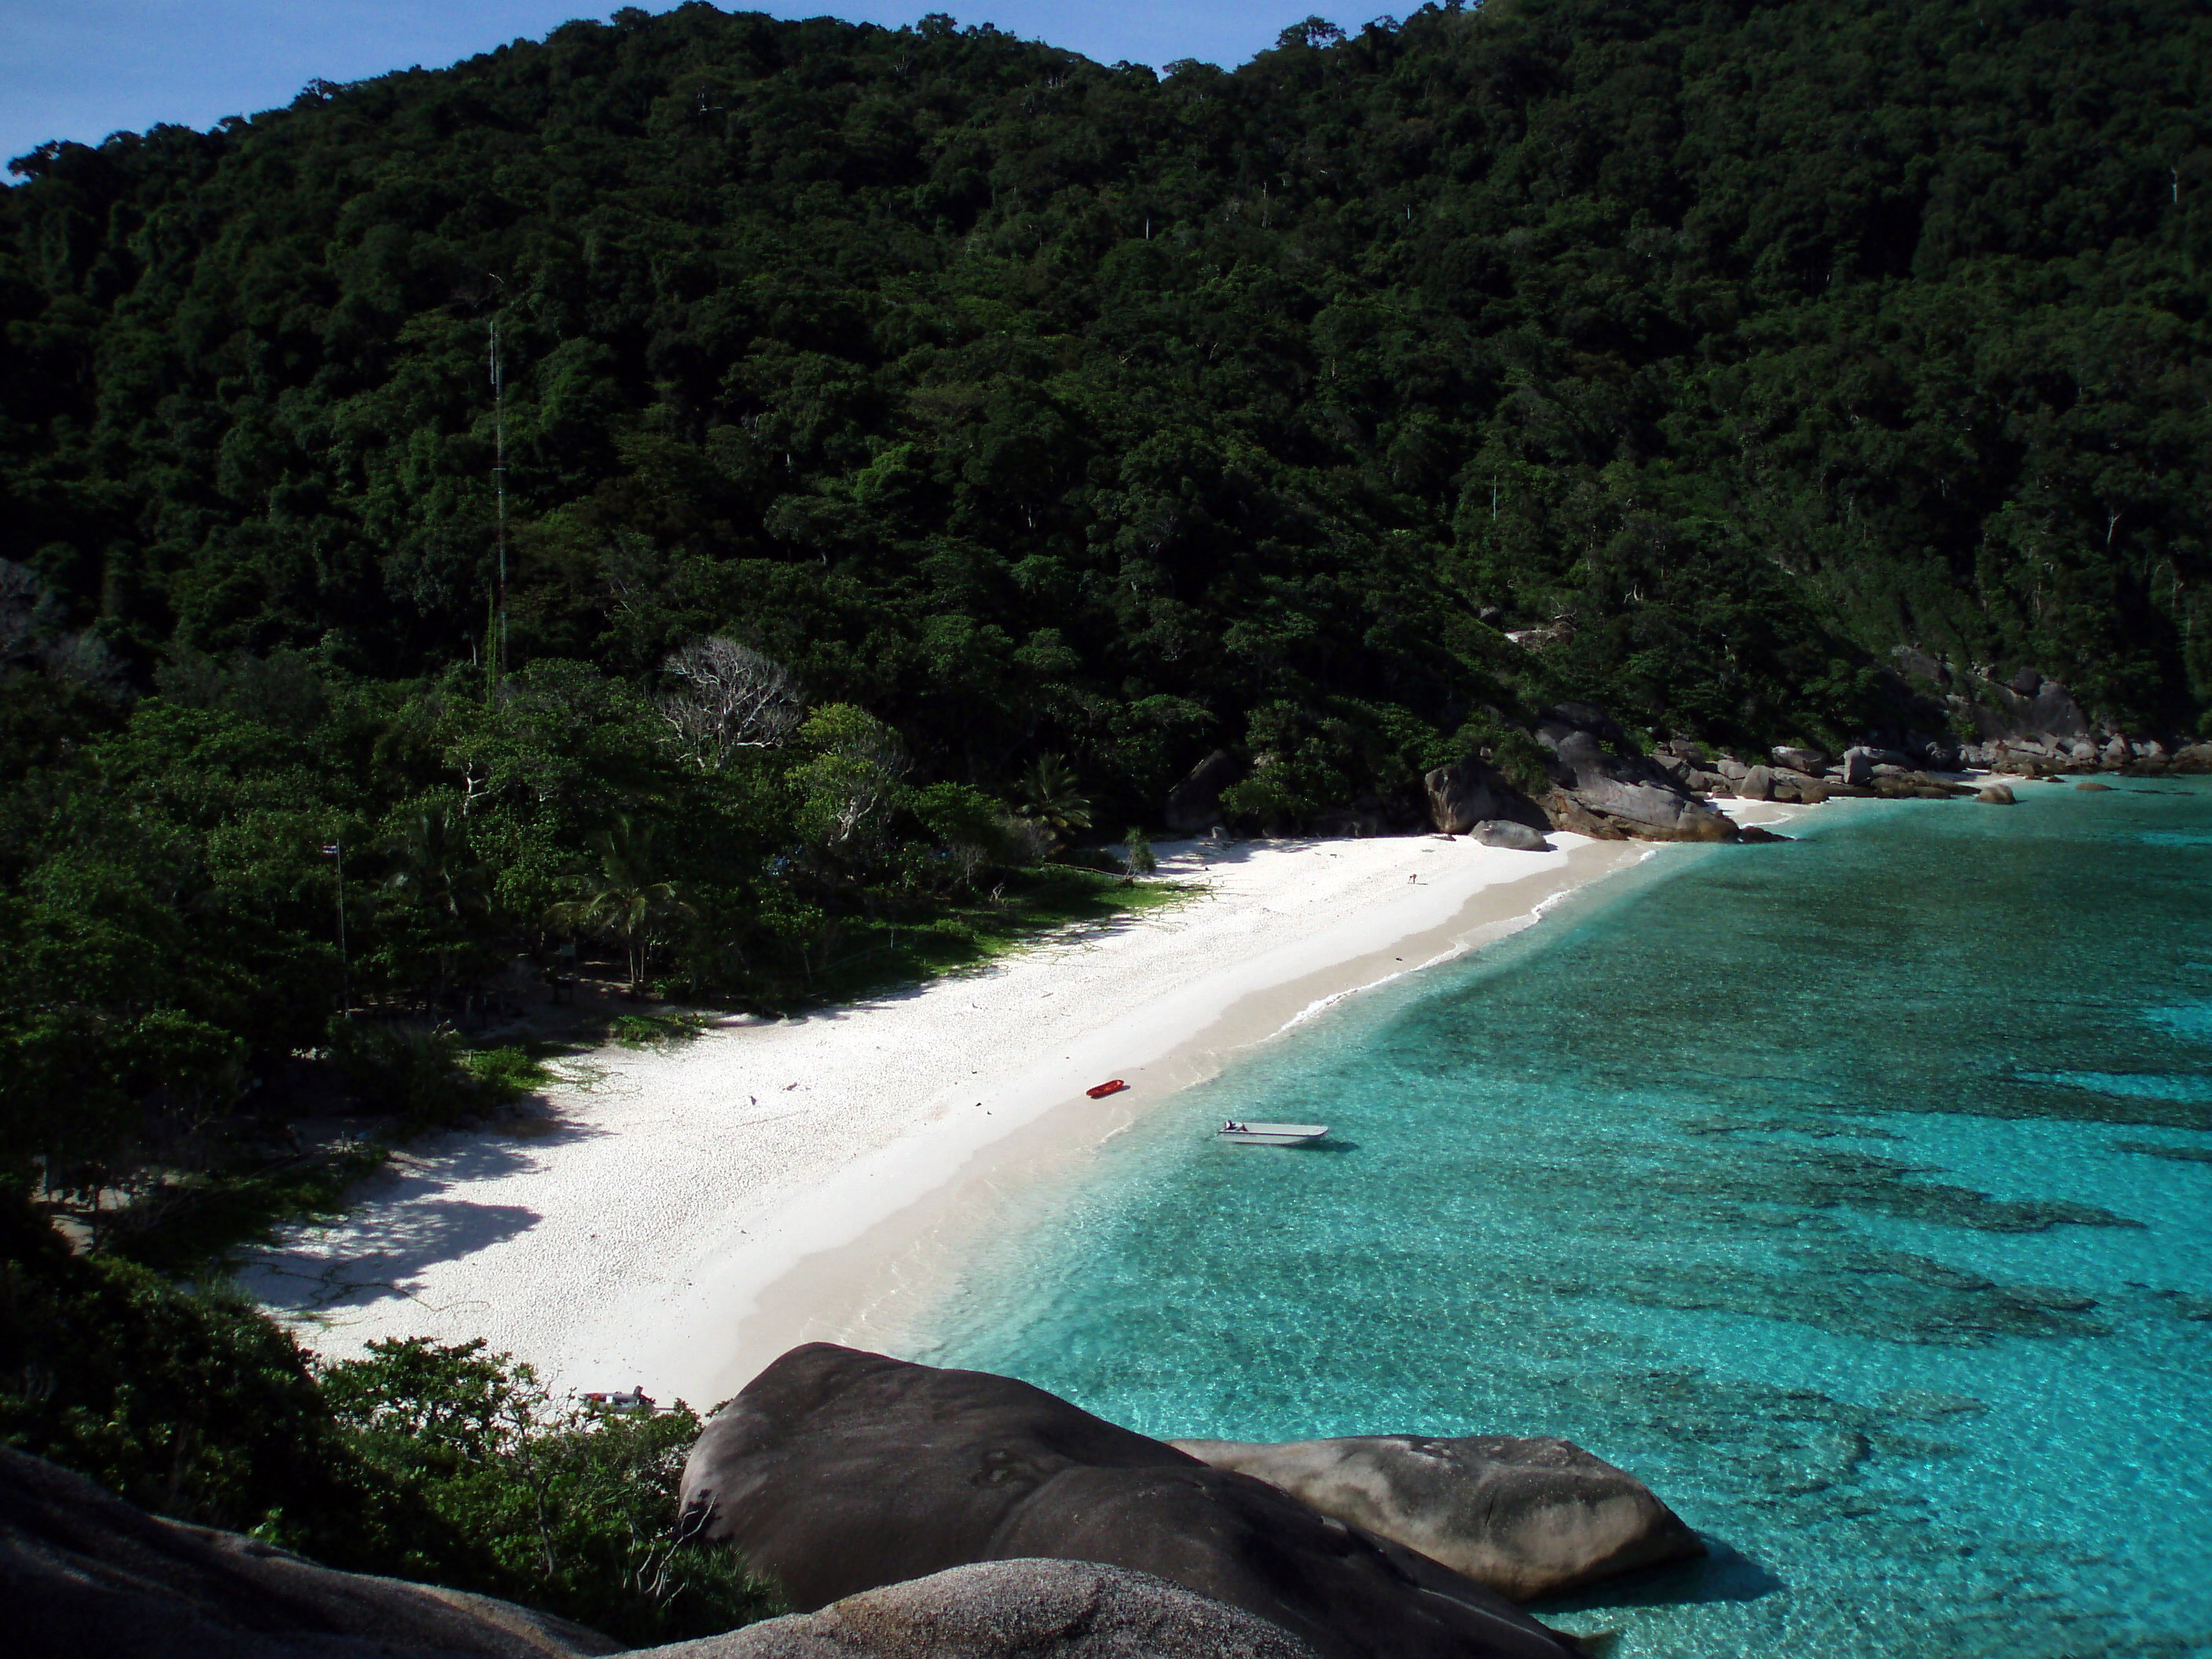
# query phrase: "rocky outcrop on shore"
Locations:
[[1527, 1518], [1463, 794], [1596, 780], [1597, 785], [1012, 1610], [909, 1512], [2030, 724], [1603, 788], [837, 1471], [1504, 832], [84, 1574]]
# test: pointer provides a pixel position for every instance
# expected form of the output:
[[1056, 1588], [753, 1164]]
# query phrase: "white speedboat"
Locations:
[[1270, 1134]]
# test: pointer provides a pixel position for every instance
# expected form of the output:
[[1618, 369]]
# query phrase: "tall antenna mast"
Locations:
[[499, 481]]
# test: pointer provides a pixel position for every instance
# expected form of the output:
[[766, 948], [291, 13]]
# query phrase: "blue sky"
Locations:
[[83, 69]]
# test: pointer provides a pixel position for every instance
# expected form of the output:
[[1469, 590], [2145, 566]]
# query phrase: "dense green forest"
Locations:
[[911, 451], [1033, 405], [446, 1464]]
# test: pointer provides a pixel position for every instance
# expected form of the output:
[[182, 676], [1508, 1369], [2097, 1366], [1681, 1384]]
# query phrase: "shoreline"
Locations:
[[869, 1290], [679, 1217]]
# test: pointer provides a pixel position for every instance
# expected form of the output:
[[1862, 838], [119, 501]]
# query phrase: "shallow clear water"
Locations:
[[1857, 1193]]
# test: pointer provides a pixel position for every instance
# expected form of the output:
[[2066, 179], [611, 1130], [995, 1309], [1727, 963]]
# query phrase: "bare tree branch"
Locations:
[[732, 697]]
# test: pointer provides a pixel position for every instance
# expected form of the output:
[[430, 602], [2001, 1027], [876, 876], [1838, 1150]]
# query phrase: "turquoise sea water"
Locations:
[[1857, 1193]]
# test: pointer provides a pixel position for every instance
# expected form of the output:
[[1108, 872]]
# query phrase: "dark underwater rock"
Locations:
[[1528, 1518], [84, 1574], [837, 1471], [1010, 1610]]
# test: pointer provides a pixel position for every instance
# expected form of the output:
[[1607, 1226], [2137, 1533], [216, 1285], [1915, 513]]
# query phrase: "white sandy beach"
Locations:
[[681, 1216]]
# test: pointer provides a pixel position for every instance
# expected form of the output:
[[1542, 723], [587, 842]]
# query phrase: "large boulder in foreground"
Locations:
[[1528, 1518], [837, 1471], [1012, 1610], [85, 1575]]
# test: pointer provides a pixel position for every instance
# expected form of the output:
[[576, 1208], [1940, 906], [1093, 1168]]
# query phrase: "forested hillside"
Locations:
[[1028, 428], [1033, 403]]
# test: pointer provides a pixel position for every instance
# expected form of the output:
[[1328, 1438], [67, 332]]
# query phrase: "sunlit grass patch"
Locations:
[[655, 1030]]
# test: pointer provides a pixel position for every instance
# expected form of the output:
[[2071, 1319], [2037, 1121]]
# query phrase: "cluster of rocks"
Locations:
[[838, 1472], [908, 1512], [1595, 783], [1793, 773], [2031, 726], [1598, 782]]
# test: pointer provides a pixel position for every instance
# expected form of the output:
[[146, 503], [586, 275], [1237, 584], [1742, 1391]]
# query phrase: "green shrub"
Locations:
[[195, 1406], [413, 1070], [447, 1464], [651, 1031], [504, 1074], [1520, 759], [575, 1507]]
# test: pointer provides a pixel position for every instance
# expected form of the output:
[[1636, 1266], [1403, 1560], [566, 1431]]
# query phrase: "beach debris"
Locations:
[[1100, 1091]]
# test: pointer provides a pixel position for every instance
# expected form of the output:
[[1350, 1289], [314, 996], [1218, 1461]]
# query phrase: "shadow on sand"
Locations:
[[404, 1219]]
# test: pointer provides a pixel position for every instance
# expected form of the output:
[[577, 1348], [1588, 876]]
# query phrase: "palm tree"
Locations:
[[622, 902], [1052, 798], [437, 867]]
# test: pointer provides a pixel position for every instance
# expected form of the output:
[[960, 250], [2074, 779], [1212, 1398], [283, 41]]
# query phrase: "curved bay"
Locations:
[[1810, 1181]]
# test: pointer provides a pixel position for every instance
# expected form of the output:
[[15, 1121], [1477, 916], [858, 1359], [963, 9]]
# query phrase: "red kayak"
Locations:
[[1106, 1089]]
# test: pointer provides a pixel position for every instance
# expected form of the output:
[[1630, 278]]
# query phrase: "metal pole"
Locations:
[[499, 478], [336, 850]]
